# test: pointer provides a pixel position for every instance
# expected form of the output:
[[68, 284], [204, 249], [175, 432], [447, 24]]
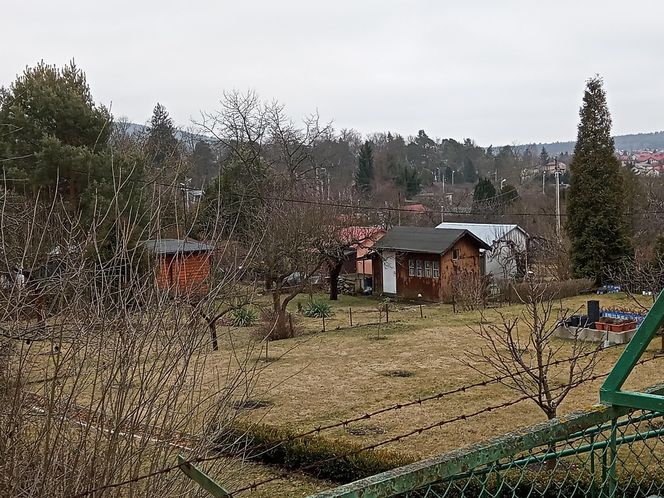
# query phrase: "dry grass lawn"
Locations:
[[321, 378]]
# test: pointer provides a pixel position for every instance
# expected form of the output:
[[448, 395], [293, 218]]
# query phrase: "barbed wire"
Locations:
[[419, 430]]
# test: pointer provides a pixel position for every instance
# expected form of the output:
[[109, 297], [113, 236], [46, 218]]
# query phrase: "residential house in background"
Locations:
[[421, 263], [358, 264], [183, 266], [507, 256]]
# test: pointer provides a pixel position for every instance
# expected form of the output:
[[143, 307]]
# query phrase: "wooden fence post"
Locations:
[[350, 316]]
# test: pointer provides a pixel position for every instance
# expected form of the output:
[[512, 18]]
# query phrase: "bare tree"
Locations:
[[290, 232], [637, 277], [469, 290], [521, 349], [104, 374]]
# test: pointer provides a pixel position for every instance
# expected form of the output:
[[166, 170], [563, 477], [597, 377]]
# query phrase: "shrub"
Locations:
[[272, 445], [469, 290], [518, 292], [243, 317], [386, 303], [317, 309]]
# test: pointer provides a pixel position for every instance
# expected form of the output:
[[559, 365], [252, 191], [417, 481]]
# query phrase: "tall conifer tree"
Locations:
[[365, 171], [162, 144], [596, 221]]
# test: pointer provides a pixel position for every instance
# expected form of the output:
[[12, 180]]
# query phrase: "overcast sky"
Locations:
[[496, 71]]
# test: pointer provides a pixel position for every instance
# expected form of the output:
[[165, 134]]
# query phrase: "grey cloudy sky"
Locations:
[[496, 71]]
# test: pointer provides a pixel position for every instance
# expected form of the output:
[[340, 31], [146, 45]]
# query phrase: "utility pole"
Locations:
[[557, 199], [543, 177], [453, 171], [442, 212], [399, 208]]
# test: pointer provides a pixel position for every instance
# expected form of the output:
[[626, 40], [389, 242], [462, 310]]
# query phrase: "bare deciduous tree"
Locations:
[[521, 349], [103, 374]]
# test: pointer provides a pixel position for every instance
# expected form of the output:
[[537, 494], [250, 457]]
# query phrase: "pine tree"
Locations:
[[596, 221], [544, 157], [57, 132], [365, 171], [162, 144]]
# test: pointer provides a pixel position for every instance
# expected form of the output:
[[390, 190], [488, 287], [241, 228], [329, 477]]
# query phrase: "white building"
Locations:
[[508, 256]]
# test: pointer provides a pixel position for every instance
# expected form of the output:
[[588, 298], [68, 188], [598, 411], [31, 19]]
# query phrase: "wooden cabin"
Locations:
[[420, 263]]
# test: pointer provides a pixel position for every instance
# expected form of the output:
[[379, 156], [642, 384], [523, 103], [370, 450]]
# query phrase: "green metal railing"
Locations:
[[615, 449]]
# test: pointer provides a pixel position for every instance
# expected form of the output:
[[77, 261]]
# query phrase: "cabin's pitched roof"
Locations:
[[425, 240], [175, 246]]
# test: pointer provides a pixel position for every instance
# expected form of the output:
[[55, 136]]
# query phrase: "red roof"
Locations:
[[416, 208], [357, 235]]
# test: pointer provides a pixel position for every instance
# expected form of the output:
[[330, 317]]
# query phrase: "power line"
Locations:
[[359, 207]]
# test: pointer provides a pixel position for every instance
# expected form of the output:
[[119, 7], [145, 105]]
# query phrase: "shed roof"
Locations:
[[421, 239], [487, 232], [174, 246]]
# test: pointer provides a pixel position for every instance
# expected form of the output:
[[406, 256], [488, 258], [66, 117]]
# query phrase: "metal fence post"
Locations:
[[593, 484], [613, 481]]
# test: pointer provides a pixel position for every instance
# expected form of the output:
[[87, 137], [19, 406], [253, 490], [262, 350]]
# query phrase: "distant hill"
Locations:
[[188, 138], [636, 141]]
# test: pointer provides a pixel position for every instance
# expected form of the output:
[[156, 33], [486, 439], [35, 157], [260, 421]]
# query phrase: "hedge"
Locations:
[[518, 292], [271, 445]]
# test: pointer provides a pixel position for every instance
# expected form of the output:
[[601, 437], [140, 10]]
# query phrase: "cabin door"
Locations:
[[389, 273]]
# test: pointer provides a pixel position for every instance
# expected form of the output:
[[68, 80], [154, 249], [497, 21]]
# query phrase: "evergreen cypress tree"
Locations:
[[596, 221], [409, 181], [484, 190], [469, 172], [365, 171]]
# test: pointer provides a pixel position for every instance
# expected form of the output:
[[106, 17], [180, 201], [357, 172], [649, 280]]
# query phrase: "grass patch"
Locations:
[[251, 404], [367, 430], [398, 373]]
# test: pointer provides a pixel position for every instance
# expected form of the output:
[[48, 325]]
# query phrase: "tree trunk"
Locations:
[[213, 335], [334, 270], [280, 329]]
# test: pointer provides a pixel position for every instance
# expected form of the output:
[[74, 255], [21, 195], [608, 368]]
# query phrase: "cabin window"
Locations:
[[436, 269], [427, 269], [411, 267], [456, 254], [418, 264]]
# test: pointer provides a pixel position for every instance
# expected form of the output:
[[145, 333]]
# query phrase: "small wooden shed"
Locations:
[[183, 266], [420, 263]]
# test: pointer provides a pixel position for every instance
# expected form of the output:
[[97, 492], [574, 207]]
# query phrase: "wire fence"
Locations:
[[620, 458], [601, 453]]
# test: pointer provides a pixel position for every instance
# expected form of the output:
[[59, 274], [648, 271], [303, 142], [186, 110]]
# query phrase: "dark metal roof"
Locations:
[[422, 239], [174, 246]]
